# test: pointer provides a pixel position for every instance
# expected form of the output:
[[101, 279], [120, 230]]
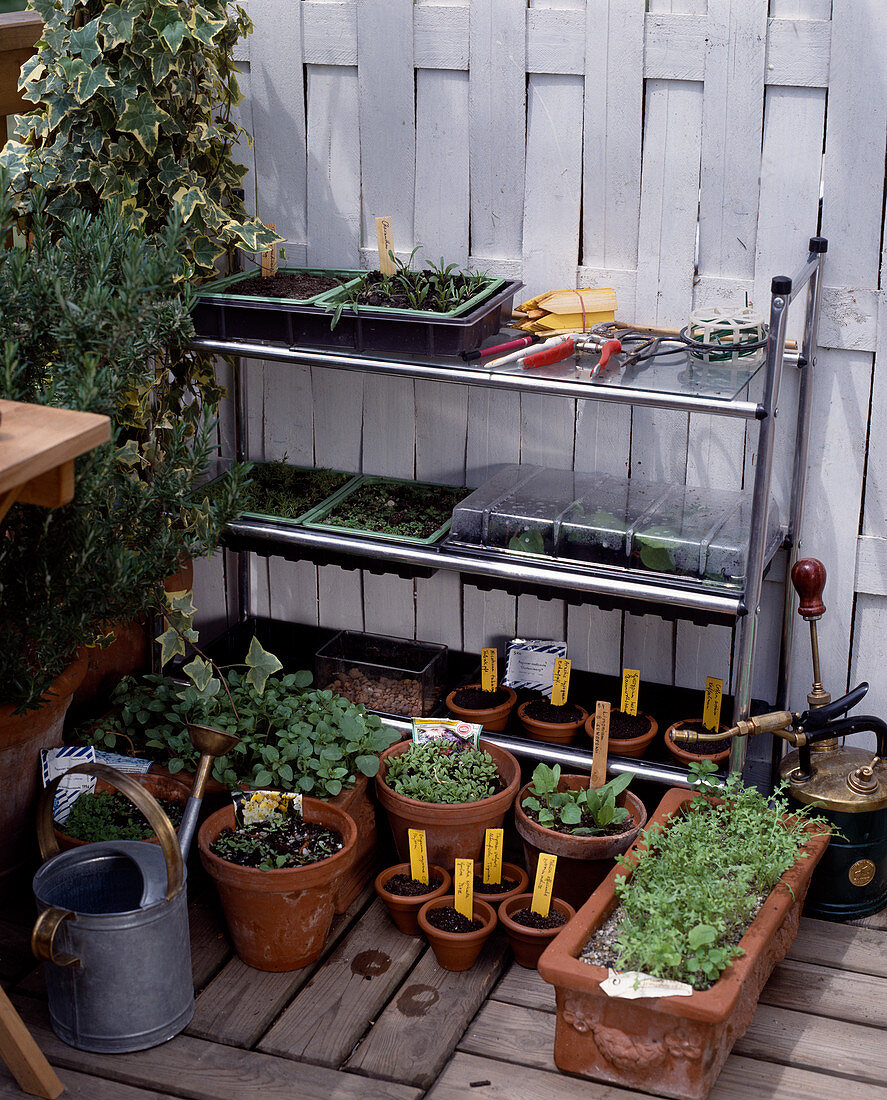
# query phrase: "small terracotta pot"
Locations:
[[685, 755], [451, 831], [494, 719], [405, 910], [509, 871], [529, 943], [160, 786], [279, 920], [555, 733], [628, 746], [582, 861], [457, 950]]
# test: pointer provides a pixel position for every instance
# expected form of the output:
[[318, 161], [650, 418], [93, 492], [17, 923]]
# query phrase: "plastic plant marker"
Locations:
[[631, 682], [560, 686], [601, 745], [385, 243], [543, 887], [493, 843], [418, 855], [269, 258], [489, 671], [463, 887], [711, 714]]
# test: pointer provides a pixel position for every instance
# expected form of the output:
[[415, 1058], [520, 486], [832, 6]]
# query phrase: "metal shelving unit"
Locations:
[[700, 389]]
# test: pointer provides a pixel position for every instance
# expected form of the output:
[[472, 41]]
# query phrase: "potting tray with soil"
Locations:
[[423, 293], [112, 816], [296, 284], [290, 494], [402, 511], [274, 844], [447, 919]]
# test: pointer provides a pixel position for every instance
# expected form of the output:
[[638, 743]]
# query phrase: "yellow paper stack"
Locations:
[[566, 310]]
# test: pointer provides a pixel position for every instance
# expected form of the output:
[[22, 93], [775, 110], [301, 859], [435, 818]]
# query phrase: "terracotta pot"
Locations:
[[279, 920], [555, 733], [582, 861], [21, 739], [529, 943], [358, 802], [451, 831], [457, 950], [405, 910], [628, 746], [160, 786], [493, 719], [183, 580], [127, 655], [675, 1045], [686, 755], [515, 874]]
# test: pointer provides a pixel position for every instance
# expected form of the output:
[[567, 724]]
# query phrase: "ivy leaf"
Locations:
[[204, 27], [199, 672], [83, 41], [116, 24], [187, 198], [170, 645], [87, 86], [182, 602], [142, 119], [262, 664], [173, 33]]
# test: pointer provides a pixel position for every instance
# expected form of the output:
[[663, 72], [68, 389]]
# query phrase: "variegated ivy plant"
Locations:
[[134, 102]]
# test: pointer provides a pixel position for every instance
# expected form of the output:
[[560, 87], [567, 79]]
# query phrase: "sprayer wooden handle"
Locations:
[[808, 577]]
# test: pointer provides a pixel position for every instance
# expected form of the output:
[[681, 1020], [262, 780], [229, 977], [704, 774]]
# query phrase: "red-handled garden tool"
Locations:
[[574, 345]]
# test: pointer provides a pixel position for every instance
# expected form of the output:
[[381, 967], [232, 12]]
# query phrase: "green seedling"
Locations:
[[586, 812], [440, 771]]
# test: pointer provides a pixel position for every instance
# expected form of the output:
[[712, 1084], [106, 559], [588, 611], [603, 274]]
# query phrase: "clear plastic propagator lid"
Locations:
[[597, 527], [526, 520]]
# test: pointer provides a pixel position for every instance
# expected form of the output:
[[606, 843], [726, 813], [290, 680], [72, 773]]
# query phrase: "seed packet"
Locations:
[[457, 732], [529, 664], [251, 807]]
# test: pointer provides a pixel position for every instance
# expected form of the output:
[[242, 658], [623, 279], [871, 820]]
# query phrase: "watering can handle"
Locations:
[[43, 936], [157, 819]]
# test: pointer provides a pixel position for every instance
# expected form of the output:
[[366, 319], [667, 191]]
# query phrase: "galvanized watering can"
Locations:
[[112, 929]]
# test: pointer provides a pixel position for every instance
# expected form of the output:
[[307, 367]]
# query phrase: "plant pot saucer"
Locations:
[[404, 910], [457, 950]]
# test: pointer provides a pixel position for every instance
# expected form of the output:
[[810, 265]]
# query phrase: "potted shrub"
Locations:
[[277, 880], [689, 891], [586, 829], [455, 940], [104, 814], [558, 725], [530, 933], [454, 793], [718, 752], [630, 734], [404, 895], [487, 708]]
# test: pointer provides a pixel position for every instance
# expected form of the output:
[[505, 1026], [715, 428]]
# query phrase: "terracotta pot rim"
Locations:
[[401, 899], [491, 714], [686, 755], [509, 870], [55, 694], [560, 965], [617, 743], [523, 901], [283, 880], [534, 724], [482, 910], [582, 847], [480, 806], [74, 842]]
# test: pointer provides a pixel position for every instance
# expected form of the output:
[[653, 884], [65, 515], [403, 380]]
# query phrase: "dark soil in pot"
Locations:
[[716, 751], [624, 726], [406, 887], [541, 710], [404, 896], [449, 920], [285, 285], [415, 511], [493, 888], [491, 708], [472, 698], [529, 919], [279, 489], [271, 845]]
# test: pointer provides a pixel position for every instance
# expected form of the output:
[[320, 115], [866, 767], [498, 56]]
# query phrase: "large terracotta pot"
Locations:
[[160, 786], [279, 920], [673, 1046], [529, 943], [583, 862], [457, 950], [21, 739], [451, 831], [628, 746], [493, 719]]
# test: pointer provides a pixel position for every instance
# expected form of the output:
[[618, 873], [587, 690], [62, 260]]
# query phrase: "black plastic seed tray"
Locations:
[[218, 316]]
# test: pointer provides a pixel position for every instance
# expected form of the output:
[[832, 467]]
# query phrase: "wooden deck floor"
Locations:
[[376, 1017]]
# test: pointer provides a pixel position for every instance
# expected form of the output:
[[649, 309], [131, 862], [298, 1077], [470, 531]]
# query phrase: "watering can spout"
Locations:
[[210, 743]]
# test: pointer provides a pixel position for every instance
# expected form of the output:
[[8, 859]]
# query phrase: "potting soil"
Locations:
[[407, 887], [277, 843], [284, 284], [481, 887], [475, 699], [624, 726], [541, 710], [447, 919], [529, 919]]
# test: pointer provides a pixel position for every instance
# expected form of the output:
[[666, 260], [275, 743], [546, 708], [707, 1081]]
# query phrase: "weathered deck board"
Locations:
[[210, 946], [842, 946], [415, 1035], [224, 1015], [334, 1009], [199, 1070], [80, 1086], [486, 1078], [857, 998]]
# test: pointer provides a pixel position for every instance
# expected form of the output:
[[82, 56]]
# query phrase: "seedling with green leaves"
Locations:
[[440, 771], [586, 812]]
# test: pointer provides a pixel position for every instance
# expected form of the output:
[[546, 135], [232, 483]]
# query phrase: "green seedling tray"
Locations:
[[330, 299], [323, 510], [228, 285], [309, 512]]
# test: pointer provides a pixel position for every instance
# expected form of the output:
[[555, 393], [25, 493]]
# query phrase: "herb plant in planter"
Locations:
[[277, 880], [712, 899], [103, 814], [585, 828], [454, 794]]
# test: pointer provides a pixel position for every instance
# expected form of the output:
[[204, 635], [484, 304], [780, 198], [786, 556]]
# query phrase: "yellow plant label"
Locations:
[[561, 684], [269, 258], [493, 856], [543, 887], [489, 671], [601, 745], [418, 855], [385, 243], [631, 682], [463, 887], [711, 713]]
